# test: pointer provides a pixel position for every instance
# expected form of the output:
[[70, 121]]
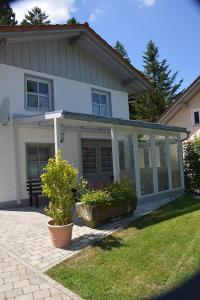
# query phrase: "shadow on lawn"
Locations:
[[182, 206], [108, 243]]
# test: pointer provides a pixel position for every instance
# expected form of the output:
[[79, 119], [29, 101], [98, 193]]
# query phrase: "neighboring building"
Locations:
[[68, 89], [185, 111]]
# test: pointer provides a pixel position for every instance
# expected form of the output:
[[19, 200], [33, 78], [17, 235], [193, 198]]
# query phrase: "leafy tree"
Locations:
[[36, 16], [192, 164], [122, 51], [7, 16], [72, 21], [151, 105]]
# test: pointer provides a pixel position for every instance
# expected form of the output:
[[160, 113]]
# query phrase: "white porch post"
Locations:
[[115, 155], [154, 164], [57, 134], [169, 163], [16, 161], [180, 150], [136, 165]]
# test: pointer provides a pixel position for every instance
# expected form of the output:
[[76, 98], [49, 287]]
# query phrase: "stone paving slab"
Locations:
[[26, 251], [19, 281], [25, 232]]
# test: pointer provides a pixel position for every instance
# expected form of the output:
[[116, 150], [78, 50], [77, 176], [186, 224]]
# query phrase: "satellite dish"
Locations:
[[5, 111]]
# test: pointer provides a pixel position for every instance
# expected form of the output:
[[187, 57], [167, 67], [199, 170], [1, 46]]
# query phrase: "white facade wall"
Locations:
[[29, 135], [7, 165], [69, 94], [71, 151]]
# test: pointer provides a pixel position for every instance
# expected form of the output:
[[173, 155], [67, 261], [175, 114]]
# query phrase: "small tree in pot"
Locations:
[[57, 184]]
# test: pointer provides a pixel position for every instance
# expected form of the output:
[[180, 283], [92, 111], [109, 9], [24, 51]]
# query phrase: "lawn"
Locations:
[[155, 253]]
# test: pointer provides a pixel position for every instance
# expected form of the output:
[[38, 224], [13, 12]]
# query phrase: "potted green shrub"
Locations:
[[115, 200], [58, 181]]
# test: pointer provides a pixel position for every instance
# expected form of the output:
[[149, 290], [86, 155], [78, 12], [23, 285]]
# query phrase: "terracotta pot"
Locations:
[[60, 235]]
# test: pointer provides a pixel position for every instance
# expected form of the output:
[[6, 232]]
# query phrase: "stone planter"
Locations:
[[60, 235], [94, 216]]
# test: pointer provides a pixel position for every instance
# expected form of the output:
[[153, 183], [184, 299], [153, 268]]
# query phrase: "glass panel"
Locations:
[[104, 110], [96, 109], [32, 101], [106, 159], [126, 157], [41, 167], [196, 117], [103, 99], [44, 88], [44, 102], [89, 160], [146, 171], [121, 155], [37, 158], [44, 153], [33, 170], [162, 167], [175, 162], [32, 154], [95, 98], [32, 86]]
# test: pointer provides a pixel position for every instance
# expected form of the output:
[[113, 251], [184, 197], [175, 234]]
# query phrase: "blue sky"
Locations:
[[172, 24]]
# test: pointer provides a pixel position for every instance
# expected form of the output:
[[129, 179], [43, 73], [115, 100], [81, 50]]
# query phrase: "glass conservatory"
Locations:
[[149, 154]]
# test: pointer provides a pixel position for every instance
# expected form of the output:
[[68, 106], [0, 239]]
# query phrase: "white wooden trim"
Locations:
[[180, 155], [154, 163], [57, 134], [115, 154]]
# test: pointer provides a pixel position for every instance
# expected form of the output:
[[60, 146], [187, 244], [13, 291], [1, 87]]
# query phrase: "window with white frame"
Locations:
[[101, 103], [37, 158], [196, 117], [38, 93]]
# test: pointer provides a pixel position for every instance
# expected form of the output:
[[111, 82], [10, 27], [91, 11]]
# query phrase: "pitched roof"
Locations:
[[182, 99], [17, 29]]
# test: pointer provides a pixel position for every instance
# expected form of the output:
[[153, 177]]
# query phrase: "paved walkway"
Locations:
[[26, 251]]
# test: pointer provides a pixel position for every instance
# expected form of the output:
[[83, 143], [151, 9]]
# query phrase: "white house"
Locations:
[[185, 111], [67, 88]]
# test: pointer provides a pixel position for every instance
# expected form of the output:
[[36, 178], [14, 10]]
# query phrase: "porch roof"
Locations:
[[61, 114]]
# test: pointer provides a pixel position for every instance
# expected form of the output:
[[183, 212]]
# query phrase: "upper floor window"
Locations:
[[101, 103], [196, 117], [38, 93]]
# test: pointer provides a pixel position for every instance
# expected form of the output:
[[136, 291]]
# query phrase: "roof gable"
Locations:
[[184, 98], [85, 37]]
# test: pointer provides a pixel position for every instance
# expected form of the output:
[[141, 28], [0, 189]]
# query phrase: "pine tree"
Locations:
[[122, 51], [7, 16], [72, 21], [151, 105], [36, 16]]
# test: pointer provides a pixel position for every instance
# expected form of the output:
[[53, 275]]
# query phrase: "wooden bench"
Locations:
[[34, 189]]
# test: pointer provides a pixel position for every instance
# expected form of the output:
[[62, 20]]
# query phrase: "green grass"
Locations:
[[157, 252]]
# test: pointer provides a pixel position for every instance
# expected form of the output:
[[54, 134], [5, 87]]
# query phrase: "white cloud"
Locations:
[[96, 14], [148, 3], [58, 10]]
